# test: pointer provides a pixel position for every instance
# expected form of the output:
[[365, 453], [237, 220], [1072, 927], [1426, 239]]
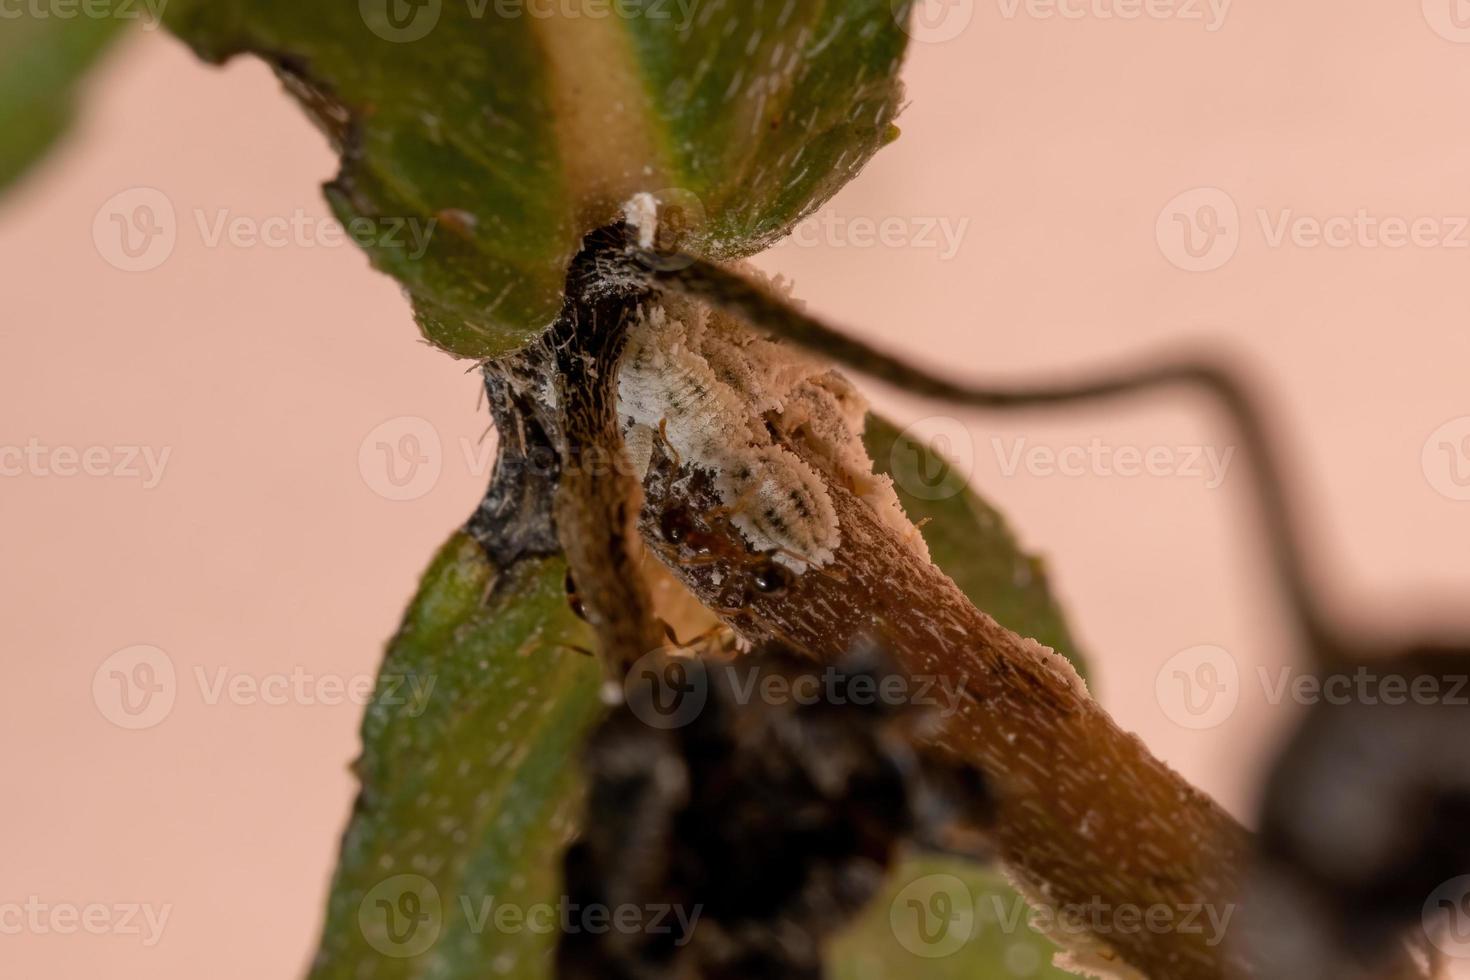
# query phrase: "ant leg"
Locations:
[[671, 555], [808, 565], [714, 631], [663, 434], [724, 512], [790, 642], [699, 561]]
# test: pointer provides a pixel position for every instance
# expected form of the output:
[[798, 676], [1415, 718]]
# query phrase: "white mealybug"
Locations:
[[716, 391], [779, 503]]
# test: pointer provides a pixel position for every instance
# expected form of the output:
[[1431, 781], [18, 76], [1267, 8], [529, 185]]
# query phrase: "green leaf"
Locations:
[[766, 109], [944, 919], [505, 130], [41, 61], [470, 787], [971, 541]]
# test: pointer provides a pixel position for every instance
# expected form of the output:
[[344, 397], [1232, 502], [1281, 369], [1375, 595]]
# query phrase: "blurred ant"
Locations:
[[1390, 768], [678, 529]]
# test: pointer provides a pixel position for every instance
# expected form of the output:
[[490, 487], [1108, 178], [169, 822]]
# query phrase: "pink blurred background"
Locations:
[[1052, 150]]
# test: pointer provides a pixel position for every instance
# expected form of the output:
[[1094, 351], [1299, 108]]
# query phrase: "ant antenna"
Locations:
[[732, 293]]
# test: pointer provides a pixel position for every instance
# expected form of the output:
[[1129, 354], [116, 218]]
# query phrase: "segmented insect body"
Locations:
[[723, 399], [778, 503], [692, 540]]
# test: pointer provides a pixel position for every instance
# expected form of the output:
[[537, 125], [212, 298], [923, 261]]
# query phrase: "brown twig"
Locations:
[[1087, 817], [568, 384]]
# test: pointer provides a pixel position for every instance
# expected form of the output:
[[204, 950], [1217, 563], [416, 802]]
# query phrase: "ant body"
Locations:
[[688, 539]]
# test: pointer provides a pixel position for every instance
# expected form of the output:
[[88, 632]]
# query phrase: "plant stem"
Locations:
[[567, 381], [1086, 816]]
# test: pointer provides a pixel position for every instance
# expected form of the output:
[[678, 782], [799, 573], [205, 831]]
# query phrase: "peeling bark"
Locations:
[[515, 518]]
